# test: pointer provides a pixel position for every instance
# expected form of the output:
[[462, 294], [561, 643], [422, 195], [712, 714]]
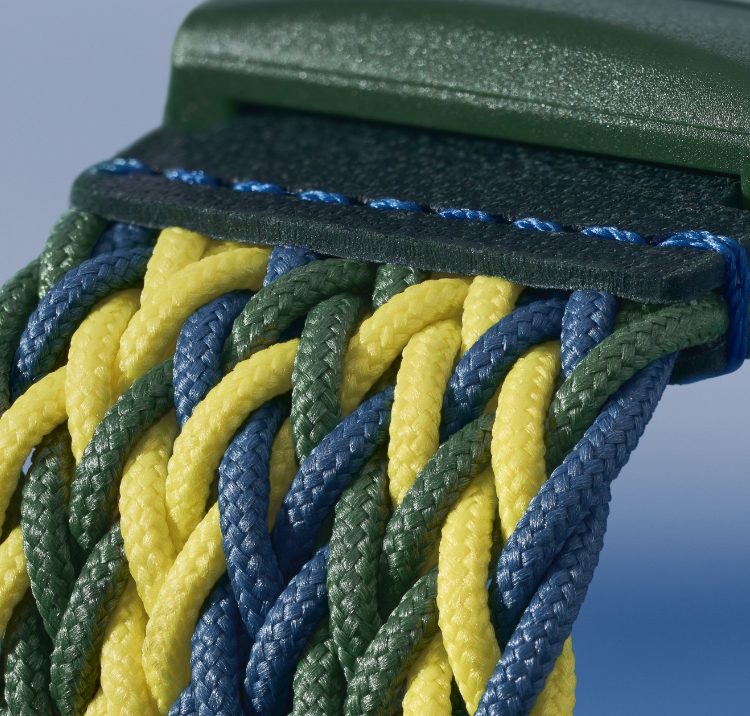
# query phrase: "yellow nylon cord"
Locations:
[[143, 514], [428, 684], [383, 336], [463, 609], [518, 464], [35, 414], [489, 299], [206, 435], [152, 333], [122, 678], [93, 375], [98, 705], [219, 247], [426, 365], [282, 469], [14, 581], [174, 250], [166, 650]]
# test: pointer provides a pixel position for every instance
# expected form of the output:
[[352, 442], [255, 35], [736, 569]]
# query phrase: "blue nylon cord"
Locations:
[[123, 167], [285, 258], [323, 197], [483, 367], [394, 205], [289, 623], [322, 477], [197, 358], [588, 319], [531, 224], [195, 178], [243, 508], [568, 495], [61, 311], [258, 187], [466, 215], [123, 237]]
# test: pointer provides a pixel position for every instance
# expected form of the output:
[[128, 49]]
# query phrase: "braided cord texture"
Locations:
[[428, 683], [14, 581], [285, 258], [415, 525], [69, 244], [426, 365], [153, 332], [384, 666], [75, 659], [282, 468], [488, 301], [119, 236], [617, 358], [206, 435], [273, 309], [392, 279], [355, 545], [197, 358], [383, 336], [93, 494], [44, 524], [483, 367], [18, 299], [589, 318], [92, 376], [279, 642], [316, 380], [558, 697], [35, 414], [61, 311], [122, 677], [27, 663], [321, 478]]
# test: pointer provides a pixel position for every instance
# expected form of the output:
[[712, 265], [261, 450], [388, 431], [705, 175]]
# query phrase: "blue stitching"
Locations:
[[394, 205], [196, 178], [531, 224]]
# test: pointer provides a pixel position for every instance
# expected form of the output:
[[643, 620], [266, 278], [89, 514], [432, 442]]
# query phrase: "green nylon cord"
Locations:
[[28, 662], [77, 646], [93, 494], [621, 355], [316, 379], [44, 526], [392, 279], [416, 523], [382, 669], [272, 310], [319, 687], [70, 242]]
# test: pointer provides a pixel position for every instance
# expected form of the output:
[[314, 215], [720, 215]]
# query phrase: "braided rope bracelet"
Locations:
[[173, 634]]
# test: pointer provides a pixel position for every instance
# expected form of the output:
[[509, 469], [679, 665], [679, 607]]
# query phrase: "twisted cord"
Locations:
[[483, 367], [61, 311], [35, 414], [588, 319], [122, 677], [285, 258], [206, 435], [358, 528], [166, 649], [318, 678], [463, 568], [92, 376], [426, 365], [392, 279], [617, 358], [428, 683], [244, 487], [44, 524], [321, 478], [274, 307], [569, 494], [153, 331], [197, 358], [383, 336], [69, 244], [27, 663], [93, 493], [143, 515], [75, 659], [14, 581], [18, 299], [316, 380], [415, 525], [279, 642], [488, 301], [382, 669]]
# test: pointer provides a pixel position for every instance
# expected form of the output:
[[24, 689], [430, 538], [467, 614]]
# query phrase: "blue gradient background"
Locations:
[[666, 625]]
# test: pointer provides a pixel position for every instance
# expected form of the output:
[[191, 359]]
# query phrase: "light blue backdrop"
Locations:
[[667, 621]]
